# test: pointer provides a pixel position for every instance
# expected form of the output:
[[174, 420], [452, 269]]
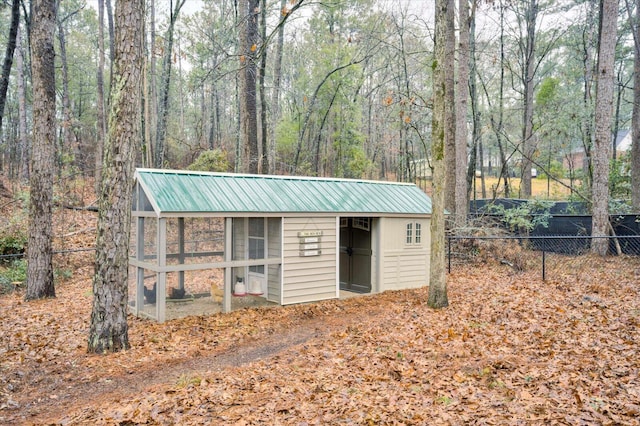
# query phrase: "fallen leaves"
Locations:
[[510, 349]]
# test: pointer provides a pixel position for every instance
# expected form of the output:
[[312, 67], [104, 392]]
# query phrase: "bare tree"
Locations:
[[8, 56], [437, 279], [603, 115], [635, 119], [462, 97], [23, 141], [109, 329], [165, 84], [248, 12], [528, 74], [450, 111], [102, 122], [39, 256]]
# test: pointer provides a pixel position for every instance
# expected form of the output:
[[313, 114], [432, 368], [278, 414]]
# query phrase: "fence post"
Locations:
[[543, 265]]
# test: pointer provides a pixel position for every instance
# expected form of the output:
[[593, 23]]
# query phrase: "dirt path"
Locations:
[[73, 396]]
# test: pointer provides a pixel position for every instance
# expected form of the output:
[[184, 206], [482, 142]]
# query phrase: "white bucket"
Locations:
[[240, 289], [255, 287]]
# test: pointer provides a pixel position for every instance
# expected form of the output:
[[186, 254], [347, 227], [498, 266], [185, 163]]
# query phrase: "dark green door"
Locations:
[[355, 255]]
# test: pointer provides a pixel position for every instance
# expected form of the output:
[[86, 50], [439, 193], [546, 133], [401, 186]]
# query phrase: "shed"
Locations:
[[225, 239]]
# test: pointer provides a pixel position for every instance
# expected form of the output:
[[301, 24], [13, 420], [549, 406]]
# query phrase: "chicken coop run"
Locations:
[[210, 242]]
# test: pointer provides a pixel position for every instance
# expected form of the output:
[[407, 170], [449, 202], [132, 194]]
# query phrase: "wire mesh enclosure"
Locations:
[[552, 256]]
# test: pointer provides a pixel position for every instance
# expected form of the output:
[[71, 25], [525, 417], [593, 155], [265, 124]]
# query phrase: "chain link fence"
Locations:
[[553, 257]]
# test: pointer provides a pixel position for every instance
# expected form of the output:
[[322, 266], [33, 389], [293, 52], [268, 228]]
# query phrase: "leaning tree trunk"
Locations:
[[437, 277], [109, 330], [604, 112], [40, 268], [8, 56]]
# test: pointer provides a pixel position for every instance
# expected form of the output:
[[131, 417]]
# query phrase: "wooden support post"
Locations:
[[228, 271], [181, 251], [161, 287], [139, 301]]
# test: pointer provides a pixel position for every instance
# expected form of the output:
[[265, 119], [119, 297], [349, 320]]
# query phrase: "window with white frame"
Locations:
[[362, 223], [413, 233]]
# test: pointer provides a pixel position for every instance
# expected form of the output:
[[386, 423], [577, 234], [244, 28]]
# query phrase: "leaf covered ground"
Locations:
[[510, 349]]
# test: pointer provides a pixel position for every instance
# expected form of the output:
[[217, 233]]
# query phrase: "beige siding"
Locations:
[[274, 249], [309, 278], [403, 265]]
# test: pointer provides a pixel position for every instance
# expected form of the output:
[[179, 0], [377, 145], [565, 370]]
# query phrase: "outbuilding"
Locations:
[[221, 240]]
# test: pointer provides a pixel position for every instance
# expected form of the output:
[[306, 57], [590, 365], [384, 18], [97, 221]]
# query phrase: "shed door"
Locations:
[[355, 254]]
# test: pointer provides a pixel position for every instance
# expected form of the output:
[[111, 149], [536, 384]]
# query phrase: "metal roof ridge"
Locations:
[[259, 176]]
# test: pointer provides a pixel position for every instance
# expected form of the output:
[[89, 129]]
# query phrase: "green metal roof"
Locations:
[[172, 192]]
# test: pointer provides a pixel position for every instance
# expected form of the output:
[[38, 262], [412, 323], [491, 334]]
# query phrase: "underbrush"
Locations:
[[13, 276]]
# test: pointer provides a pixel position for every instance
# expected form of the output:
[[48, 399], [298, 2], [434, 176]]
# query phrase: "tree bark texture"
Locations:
[[102, 122], [635, 119], [449, 122], [22, 110], [462, 98], [437, 277], [603, 116], [39, 253], [109, 330], [165, 85], [528, 141], [248, 68], [263, 166], [8, 56]]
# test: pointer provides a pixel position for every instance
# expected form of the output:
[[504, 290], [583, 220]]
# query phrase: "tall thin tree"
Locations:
[[39, 253], [165, 84], [603, 115], [248, 15], [462, 97], [635, 118], [438, 297], [450, 111], [8, 56], [101, 116], [109, 329]]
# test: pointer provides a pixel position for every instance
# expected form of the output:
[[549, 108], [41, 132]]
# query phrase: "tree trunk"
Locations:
[[528, 142], [102, 123], [22, 110], [449, 105], [151, 96], [109, 330], [462, 96], [8, 56], [635, 120], [437, 276], [165, 84], [248, 68], [263, 165], [39, 255], [68, 140], [277, 78], [603, 115]]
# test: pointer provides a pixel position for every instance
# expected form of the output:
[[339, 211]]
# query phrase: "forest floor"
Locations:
[[509, 349]]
